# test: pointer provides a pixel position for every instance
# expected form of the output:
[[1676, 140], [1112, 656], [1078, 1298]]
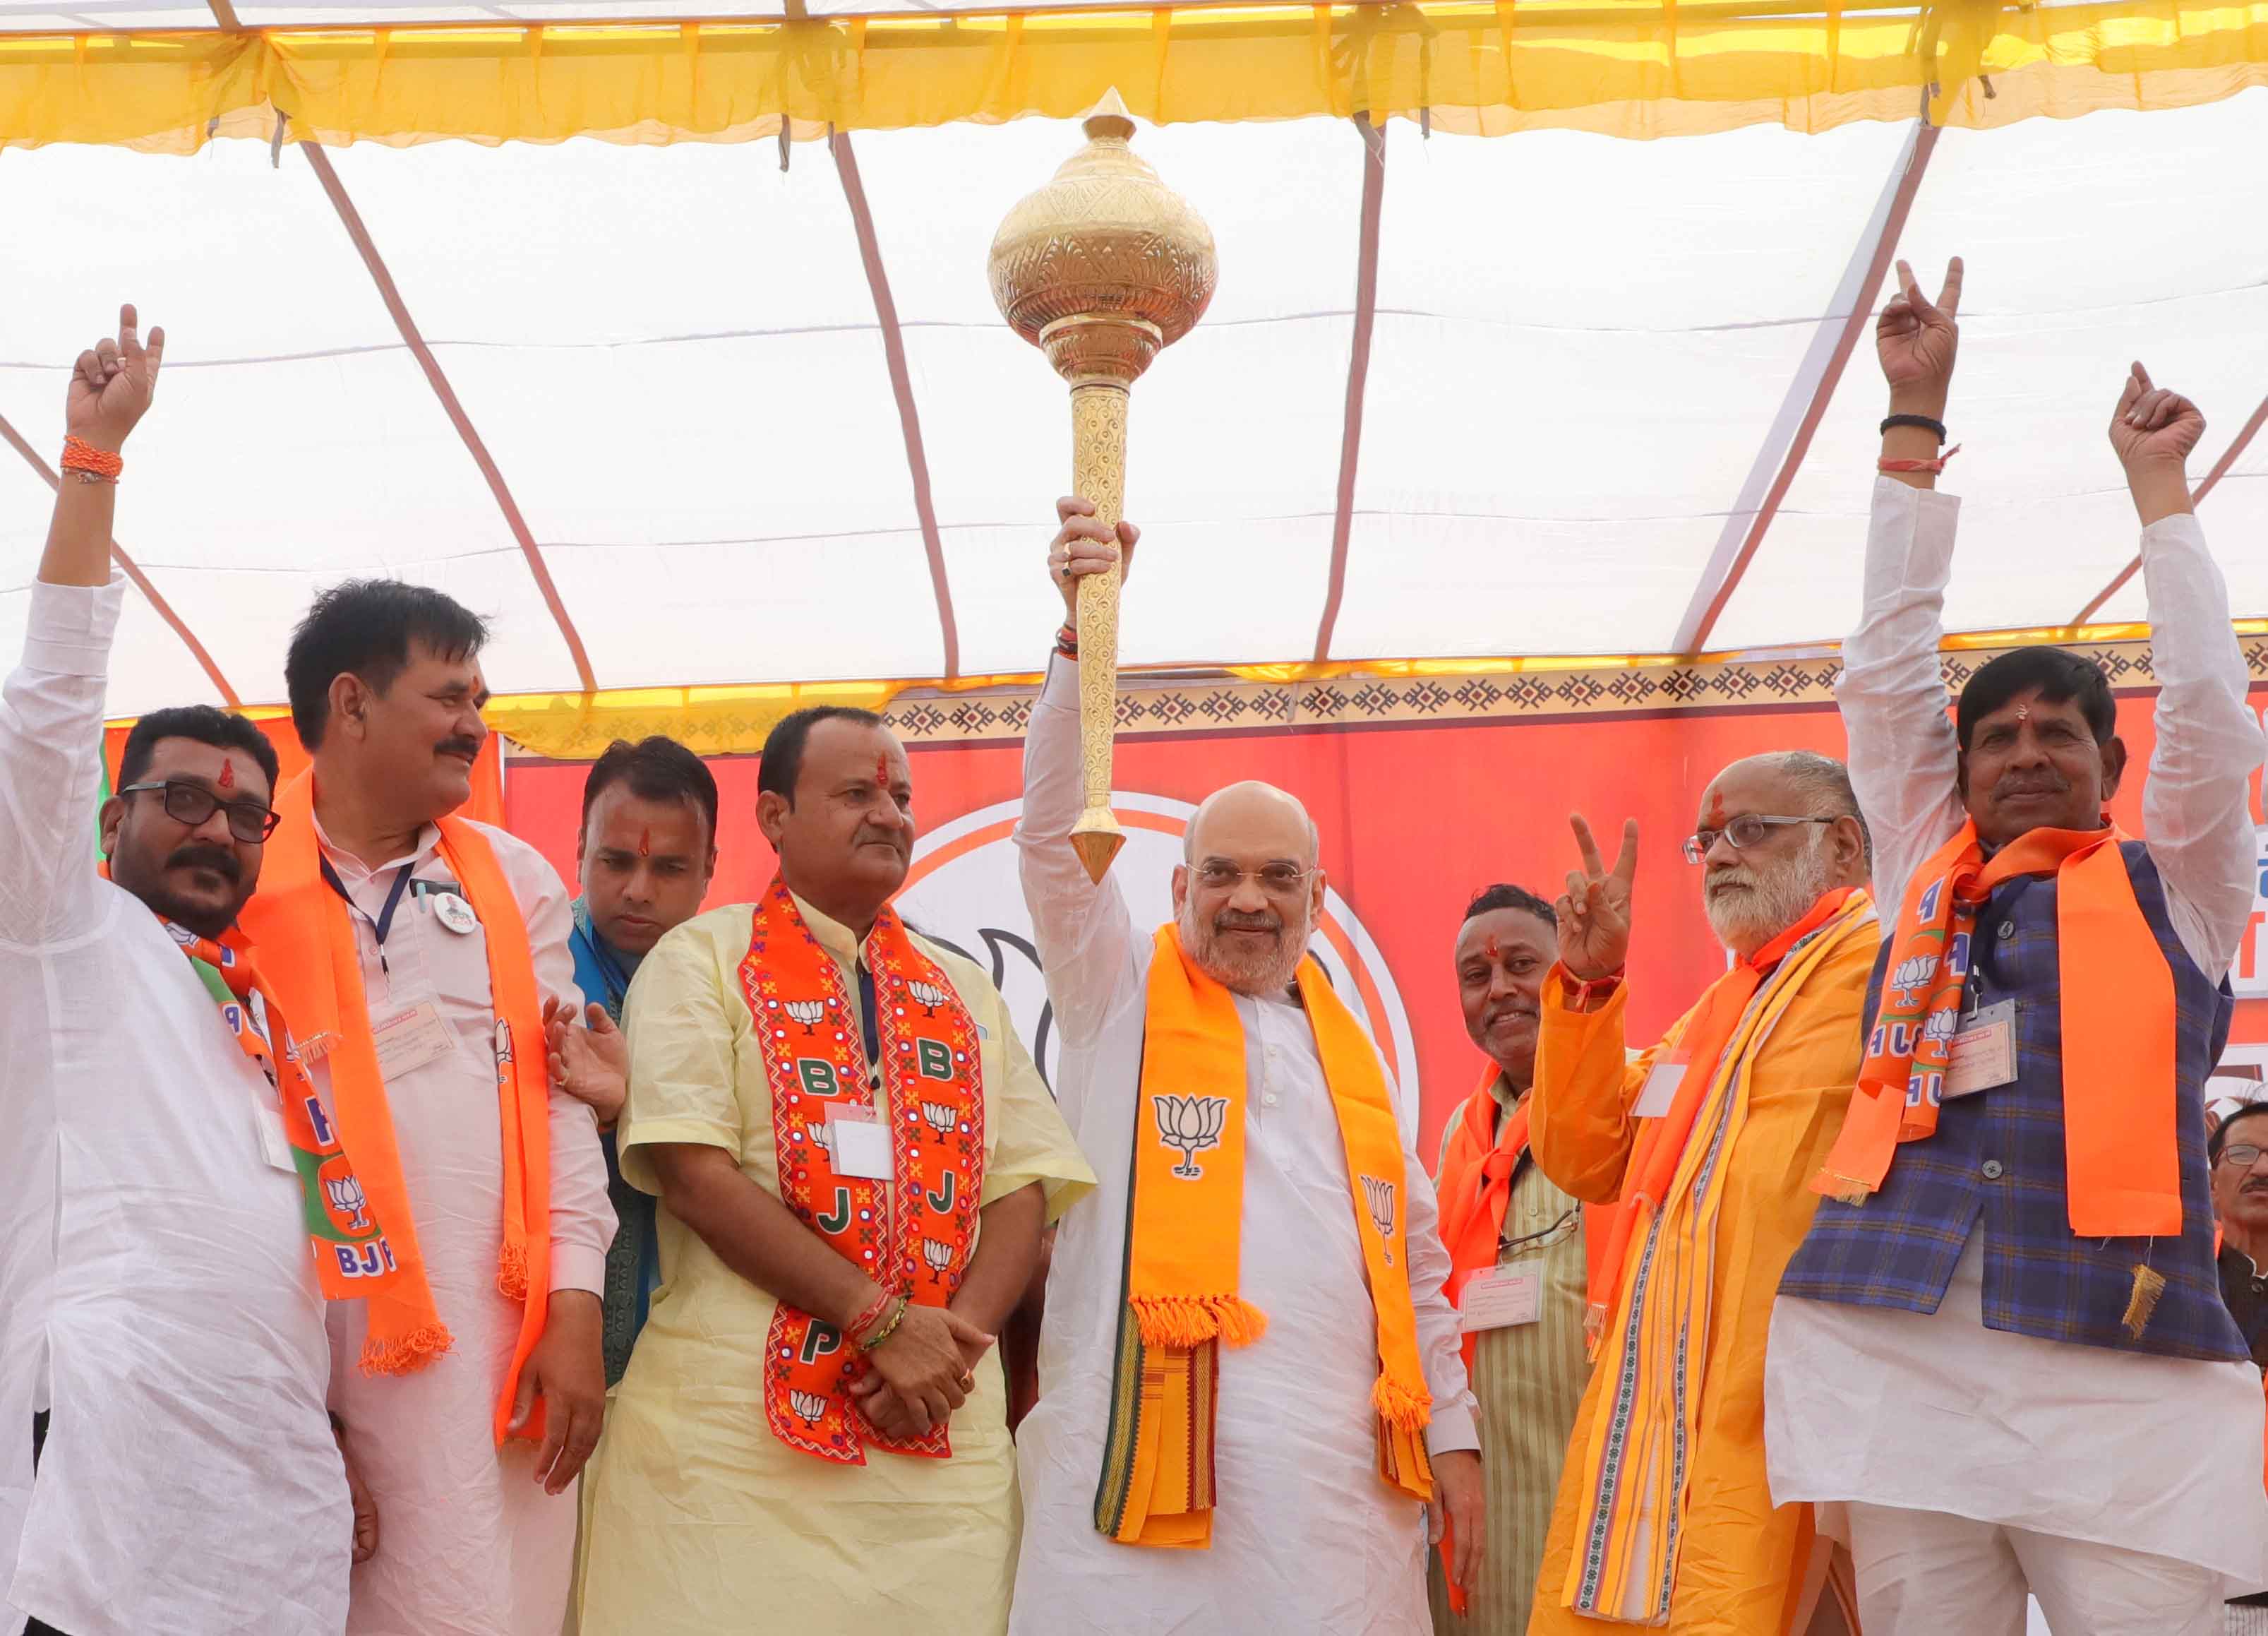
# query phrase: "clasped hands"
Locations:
[[915, 1379]]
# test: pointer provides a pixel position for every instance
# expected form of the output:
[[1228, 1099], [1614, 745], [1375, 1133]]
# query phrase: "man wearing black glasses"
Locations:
[[163, 1361]]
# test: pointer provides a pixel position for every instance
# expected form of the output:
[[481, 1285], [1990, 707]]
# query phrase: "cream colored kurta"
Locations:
[[702, 1522], [1528, 1379]]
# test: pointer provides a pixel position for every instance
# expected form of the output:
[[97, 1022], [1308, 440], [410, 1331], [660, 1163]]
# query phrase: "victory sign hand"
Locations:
[[1916, 339], [1594, 913]]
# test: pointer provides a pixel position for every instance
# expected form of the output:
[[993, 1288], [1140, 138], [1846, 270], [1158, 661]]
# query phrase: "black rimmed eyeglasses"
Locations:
[[192, 804]]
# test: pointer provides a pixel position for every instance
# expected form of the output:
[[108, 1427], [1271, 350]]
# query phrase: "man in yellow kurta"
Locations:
[[1705, 1141], [855, 1158]]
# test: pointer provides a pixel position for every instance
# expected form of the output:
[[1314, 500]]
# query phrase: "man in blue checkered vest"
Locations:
[[2000, 1362]]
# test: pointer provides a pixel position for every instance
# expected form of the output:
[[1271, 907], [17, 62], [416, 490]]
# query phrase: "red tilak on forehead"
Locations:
[[1716, 812], [227, 779], [1495, 949], [882, 771], [645, 844]]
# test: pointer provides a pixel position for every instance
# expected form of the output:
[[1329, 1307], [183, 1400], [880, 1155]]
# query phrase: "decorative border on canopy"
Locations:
[[1626, 68], [733, 721]]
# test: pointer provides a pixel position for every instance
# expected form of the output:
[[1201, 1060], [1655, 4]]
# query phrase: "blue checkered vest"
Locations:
[[1997, 1160]]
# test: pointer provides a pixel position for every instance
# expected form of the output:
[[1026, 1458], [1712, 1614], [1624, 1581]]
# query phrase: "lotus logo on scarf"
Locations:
[[941, 1117], [346, 1196], [1912, 974], [928, 996], [807, 1012], [1192, 1125], [938, 1253], [1381, 1194], [1941, 1026], [810, 1407]]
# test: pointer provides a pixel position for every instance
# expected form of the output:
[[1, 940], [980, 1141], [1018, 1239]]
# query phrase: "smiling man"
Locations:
[[1252, 1380], [2010, 1367], [1516, 1246], [1702, 1143], [161, 1315], [855, 1158], [425, 953]]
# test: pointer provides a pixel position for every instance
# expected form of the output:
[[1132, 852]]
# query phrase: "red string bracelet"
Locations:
[[1067, 640], [1936, 465], [94, 464]]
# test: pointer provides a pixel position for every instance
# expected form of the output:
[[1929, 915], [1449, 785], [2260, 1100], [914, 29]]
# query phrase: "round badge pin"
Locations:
[[455, 913]]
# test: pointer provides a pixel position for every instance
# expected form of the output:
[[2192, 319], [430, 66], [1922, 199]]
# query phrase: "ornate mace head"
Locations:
[[1105, 264]]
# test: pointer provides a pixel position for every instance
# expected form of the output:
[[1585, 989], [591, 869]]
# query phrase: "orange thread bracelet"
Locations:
[[97, 465], [1936, 465]]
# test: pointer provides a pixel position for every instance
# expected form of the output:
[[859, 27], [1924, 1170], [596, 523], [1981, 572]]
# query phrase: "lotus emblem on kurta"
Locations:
[[1191, 1123]]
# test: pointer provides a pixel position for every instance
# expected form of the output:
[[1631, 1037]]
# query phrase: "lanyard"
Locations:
[[871, 1024], [384, 923]]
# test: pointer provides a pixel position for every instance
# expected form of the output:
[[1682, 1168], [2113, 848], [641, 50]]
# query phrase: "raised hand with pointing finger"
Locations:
[[1595, 911]]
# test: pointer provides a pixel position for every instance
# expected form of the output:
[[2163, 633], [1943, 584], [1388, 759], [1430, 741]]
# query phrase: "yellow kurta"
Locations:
[[700, 1523], [1528, 1379], [1740, 1562]]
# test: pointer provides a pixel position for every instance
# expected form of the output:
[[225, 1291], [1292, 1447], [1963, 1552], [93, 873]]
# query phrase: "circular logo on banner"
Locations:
[[963, 891]]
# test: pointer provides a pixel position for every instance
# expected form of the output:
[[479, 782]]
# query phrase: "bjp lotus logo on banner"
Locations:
[[963, 892]]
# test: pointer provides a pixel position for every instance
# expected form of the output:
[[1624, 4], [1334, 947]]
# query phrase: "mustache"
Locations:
[[460, 745], [203, 855], [2045, 782], [896, 841], [1246, 920]]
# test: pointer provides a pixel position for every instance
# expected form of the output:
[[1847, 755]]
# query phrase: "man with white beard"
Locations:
[[1252, 1380], [1705, 1143]]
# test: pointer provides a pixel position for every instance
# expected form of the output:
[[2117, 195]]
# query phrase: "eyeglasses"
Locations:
[[192, 804], [1276, 879], [2243, 1155], [1745, 830]]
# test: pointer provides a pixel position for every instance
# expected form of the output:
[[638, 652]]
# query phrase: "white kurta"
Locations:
[[1936, 1412], [1307, 1537], [157, 1283], [470, 1544]]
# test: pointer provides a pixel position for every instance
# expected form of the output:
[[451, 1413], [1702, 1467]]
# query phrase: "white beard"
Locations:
[[1777, 898]]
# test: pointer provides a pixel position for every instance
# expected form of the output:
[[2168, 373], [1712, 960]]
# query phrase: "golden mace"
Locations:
[[1100, 269]]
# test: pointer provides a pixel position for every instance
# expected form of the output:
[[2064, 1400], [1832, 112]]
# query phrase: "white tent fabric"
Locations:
[[1581, 349]]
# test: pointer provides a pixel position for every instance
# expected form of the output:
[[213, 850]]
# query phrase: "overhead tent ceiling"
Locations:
[[1556, 394]]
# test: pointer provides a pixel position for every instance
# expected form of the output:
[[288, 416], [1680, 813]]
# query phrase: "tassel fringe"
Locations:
[[512, 1272], [1409, 1407], [1181, 1322], [1844, 1190], [406, 1354], [2149, 1284]]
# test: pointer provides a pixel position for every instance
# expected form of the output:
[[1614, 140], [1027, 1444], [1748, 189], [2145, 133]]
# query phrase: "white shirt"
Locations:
[[470, 1544], [157, 1283], [1306, 1535], [1936, 1412]]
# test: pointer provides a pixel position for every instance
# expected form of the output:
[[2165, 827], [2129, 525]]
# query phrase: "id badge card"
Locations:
[[409, 1040], [275, 1145], [1659, 1090], [860, 1145], [1982, 1054], [1501, 1297]]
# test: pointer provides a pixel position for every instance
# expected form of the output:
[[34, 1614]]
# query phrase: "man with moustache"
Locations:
[[648, 847], [1252, 1379], [855, 1158], [1518, 1274], [161, 1317], [420, 955], [2238, 1153], [1703, 1143], [2001, 1357]]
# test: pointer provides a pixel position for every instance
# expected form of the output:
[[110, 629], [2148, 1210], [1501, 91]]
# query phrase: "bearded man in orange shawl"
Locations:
[[1704, 1143]]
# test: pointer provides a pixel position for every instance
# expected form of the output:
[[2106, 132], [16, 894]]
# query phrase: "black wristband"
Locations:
[[1923, 421]]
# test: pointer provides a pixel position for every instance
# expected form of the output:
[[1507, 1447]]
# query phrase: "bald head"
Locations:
[[1249, 892], [1252, 817]]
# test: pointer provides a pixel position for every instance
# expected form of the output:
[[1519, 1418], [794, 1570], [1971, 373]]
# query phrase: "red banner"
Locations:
[[1416, 817]]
